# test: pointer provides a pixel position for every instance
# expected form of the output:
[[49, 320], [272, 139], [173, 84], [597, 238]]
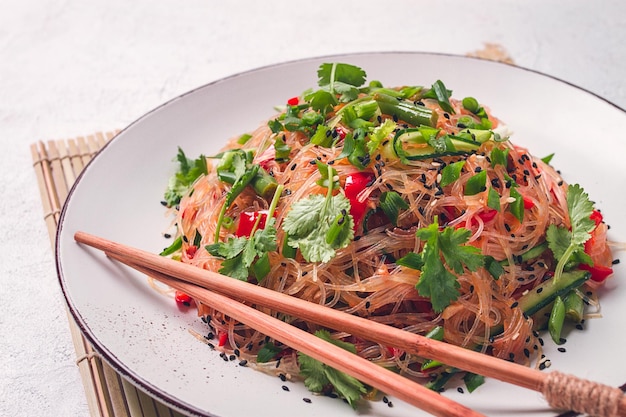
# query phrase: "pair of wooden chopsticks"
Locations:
[[561, 391]]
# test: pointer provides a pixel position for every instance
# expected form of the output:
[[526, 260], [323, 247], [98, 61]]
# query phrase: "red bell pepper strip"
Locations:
[[355, 184], [293, 101], [598, 272]]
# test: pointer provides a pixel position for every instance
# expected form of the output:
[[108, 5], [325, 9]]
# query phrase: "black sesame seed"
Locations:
[[527, 353], [446, 115], [243, 362], [307, 400], [540, 341], [385, 399], [562, 340], [615, 261], [293, 167], [285, 388], [539, 290], [389, 404], [460, 390], [167, 235], [237, 352], [282, 377], [367, 304], [561, 349], [542, 366], [515, 304], [232, 357], [579, 326]]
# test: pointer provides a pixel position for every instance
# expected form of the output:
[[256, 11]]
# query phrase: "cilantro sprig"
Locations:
[[187, 173], [568, 244], [319, 375], [443, 255], [320, 225]]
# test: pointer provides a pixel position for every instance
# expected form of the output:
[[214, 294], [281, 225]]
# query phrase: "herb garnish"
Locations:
[[568, 244], [319, 375], [188, 171], [319, 225]]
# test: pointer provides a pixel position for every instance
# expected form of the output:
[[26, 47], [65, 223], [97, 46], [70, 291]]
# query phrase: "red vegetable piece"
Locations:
[[487, 215], [247, 220], [182, 298], [528, 203], [355, 183], [222, 338], [597, 217], [598, 272], [293, 101]]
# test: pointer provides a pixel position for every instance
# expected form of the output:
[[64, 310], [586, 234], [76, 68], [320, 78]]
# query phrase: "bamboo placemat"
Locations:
[[57, 164]]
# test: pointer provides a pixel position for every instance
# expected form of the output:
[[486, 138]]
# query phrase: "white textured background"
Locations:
[[70, 68]]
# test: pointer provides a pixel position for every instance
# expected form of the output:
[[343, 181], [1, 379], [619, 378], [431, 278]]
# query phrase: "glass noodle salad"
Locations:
[[400, 204]]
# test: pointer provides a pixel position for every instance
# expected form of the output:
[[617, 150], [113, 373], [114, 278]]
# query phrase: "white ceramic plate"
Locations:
[[145, 337]]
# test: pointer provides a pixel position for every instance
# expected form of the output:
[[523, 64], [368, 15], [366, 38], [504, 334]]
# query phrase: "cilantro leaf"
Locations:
[[568, 245], [267, 352], [319, 375], [308, 222], [436, 281], [343, 79], [188, 172]]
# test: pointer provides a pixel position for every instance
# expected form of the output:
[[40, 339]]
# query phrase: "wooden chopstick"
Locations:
[[302, 341], [560, 390]]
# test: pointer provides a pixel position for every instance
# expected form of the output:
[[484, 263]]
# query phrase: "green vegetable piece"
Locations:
[[379, 134], [531, 253], [407, 111], [391, 202], [499, 157], [470, 104], [493, 199], [517, 206], [574, 307], [547, 159], [282, 150], [555, 322], [243, 139], [493, 267], [473, 381], [476, 183], [547, 291], [322, 137], [451, 172], [174, 247]]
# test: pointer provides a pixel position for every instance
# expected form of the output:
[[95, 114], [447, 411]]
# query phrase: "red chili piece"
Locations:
[[222, 338], [247, 219], [182, 298], [598, 272], [487, 215], [355, 183], [528, 203], [293, 101]]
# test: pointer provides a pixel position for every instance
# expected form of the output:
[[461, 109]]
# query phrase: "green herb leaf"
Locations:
[[282, 150], [451, 172], [391, 202], [342, 79], [499, 157], [308, 222], [436, 281], [411, 260], [568, 245], [329, 176], [319, 375], [187, 173], [267, 352], [439, 92]]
